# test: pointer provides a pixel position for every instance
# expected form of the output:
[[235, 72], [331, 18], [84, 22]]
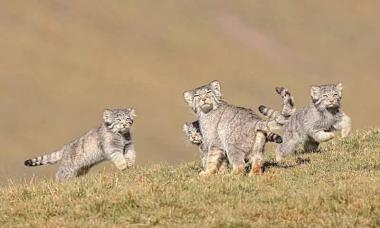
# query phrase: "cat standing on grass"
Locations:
[[193, 132], [228, 130], [316, 122], [112, 141]]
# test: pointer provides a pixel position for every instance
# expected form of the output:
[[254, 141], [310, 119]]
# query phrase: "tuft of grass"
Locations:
[[339, 186]]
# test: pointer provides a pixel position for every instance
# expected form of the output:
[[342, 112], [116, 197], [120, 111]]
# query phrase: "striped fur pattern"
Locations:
[[288, 108], [193, 133], [316, 122], [227, 129], [112, 141]]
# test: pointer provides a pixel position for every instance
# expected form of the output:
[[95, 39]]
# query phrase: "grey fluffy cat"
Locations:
[[112, 141], [316, 122], [193, 132], [227, 129]]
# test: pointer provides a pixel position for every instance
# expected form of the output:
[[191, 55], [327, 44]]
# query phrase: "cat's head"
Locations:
[[193, 133], [327, 96], [204, 98], [119, 120]]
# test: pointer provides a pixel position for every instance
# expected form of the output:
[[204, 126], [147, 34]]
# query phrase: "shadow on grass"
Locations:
[[272, 164]]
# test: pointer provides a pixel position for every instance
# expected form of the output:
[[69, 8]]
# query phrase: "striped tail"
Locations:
[[273, 137], [45, 159], [287, 111], [267, 126]]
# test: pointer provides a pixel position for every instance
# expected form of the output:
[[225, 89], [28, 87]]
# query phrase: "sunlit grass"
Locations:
[[339, 186]]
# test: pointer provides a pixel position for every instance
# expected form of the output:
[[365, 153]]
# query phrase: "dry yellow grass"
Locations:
[[62, 62], [338, 187]]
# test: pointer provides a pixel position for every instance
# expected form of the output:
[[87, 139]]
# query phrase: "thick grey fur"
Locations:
[[316, 122], [112, 140], [227, 129]]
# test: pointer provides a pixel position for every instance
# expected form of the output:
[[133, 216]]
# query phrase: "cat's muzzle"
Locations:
[[206, 108]]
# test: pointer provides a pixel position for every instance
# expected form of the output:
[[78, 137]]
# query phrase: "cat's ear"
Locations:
[[216, 88], [315, 92], [186, 127], [107, 115], [189, 98], [339, 87], [132, 112]]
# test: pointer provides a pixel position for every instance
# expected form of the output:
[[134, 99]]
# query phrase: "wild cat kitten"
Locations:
[[193, 132], [227, 129], [112, 140], [194, 136], [316, 122]]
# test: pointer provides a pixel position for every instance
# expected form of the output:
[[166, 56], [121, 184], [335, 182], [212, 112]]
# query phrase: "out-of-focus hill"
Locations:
[[62, 62]]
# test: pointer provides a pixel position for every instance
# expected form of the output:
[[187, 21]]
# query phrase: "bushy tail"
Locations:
[[45, 159], [273, 137], [288, 108]]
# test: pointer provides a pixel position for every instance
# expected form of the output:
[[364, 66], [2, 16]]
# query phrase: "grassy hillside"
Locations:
[[338, 187], [63, 62]]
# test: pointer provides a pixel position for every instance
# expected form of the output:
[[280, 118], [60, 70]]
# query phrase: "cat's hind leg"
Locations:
[[236, 157], [311, 146], [65, 173], [287, 147], [257, 154]]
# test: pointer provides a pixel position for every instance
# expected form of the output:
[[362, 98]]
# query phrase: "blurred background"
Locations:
[[63, 62]]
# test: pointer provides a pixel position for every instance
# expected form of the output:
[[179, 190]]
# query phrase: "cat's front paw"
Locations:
[[345, 132], [206, 173], [121, 166], [130, 165]]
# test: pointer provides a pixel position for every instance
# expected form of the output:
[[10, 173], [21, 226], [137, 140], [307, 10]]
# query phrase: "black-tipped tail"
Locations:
[[29, 163], [262, 108], [272, 137], [278, 140], [279, 90]]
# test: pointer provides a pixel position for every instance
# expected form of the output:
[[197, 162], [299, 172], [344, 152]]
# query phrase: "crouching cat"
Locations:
[[316, 122], [112, 140]]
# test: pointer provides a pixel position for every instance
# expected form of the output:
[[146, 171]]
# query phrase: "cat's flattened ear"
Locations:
[[132, 112], [315, 92], [339, 87], [216, 88], [189, 98], [107, 115]]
